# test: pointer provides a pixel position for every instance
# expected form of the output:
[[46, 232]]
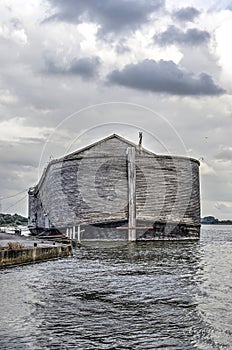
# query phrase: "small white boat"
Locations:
[[24, 231]]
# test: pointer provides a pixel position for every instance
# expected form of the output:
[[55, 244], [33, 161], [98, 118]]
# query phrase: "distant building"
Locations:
[[113, 184]]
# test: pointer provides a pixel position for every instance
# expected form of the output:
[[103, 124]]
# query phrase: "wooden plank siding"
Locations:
[[91, 186]]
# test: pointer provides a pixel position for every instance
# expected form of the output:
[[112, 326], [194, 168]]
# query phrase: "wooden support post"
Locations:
[[131, 193], [47, 222], [79, 233], [69, 232], [74, 232]]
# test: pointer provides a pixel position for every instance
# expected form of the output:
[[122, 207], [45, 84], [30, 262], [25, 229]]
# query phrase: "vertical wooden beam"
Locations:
[[46, 221], [74, 232], [131, 193], [79, 233]]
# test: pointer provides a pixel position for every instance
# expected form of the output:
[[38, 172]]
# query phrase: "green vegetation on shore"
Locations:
[[211, 220], [12, 220]]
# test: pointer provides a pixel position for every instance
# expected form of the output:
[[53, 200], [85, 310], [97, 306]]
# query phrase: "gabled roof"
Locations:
[[77, 152], [144, 152], [116, 136]]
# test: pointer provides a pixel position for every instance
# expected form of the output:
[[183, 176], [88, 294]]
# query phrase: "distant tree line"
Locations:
[[211, 220], [12, 220]]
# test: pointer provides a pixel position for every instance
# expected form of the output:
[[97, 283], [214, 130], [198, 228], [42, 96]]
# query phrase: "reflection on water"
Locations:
[[159, 295]]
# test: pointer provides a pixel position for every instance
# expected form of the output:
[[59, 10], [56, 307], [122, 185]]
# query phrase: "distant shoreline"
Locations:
[[219, 223], [211, 220]]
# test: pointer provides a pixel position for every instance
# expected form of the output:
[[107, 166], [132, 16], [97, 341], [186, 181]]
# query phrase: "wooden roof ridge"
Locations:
[[57, 160], [86, 148], [130, 143]]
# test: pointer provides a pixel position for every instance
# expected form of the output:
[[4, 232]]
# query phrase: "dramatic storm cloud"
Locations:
[[112, 16], [190, 37], [165, 77], [186, 14]]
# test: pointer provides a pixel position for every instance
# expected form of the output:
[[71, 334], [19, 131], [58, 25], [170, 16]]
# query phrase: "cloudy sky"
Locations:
[[74, 71]]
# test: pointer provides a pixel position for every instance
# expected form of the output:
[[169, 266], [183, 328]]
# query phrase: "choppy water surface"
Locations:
[[161, 295]]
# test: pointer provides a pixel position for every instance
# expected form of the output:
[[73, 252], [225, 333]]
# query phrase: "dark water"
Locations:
[[164, 295]]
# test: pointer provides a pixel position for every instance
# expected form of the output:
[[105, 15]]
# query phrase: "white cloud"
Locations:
[[17, 35], [223, 48], [15, 130], [206, 169], [6, 97], [225, 207]]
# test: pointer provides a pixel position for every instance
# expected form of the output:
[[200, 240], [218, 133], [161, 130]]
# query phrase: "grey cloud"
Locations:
[[86, 67], [224, 209], [19, 169], [112, 16], [121, 47], [173, 35], [224, 155], [221, 206], [16, 23], [186, 14], [165, 77], [23, 153]]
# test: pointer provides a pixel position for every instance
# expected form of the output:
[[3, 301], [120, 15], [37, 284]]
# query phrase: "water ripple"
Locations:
[[159, 295]]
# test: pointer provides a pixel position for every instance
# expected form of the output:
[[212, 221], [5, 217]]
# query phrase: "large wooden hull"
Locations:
[[90, 188]]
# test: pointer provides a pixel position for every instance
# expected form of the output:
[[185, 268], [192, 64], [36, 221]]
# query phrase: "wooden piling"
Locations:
[[79, 233], [74, 232]]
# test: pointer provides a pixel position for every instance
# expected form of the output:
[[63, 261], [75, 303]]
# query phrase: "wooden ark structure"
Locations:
[[117, 190]]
